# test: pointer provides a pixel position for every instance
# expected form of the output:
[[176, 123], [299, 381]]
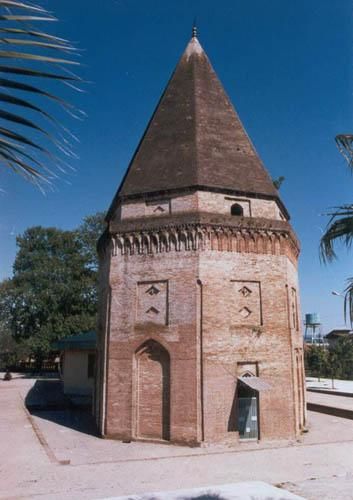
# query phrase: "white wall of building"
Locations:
[[75, 373]]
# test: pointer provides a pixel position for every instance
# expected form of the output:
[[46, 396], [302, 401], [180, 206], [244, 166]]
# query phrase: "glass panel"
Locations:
[[247, 418]]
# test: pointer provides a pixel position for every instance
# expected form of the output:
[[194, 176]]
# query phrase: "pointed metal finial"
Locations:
[[194, 29]]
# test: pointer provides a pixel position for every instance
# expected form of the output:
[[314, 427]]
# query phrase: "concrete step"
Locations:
[[330, 403]]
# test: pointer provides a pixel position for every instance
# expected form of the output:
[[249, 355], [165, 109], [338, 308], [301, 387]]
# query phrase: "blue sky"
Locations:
[[288, 69]]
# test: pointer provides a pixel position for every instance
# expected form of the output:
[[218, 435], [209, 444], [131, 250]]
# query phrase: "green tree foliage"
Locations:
[[316, 358], [88, 233], [333, 362], [53, 292], [278, 182], [342, 357], [11, 352]]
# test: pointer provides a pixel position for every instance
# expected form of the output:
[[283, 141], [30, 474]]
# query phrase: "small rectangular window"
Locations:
[[91, 365]]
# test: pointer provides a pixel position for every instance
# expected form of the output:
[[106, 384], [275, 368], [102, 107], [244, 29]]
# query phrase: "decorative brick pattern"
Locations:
[[245, 368], [216, 237], [152, 302], [246, 303], [157, 207]]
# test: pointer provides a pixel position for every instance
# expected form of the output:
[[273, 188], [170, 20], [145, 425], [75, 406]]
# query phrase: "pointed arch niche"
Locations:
[[152, 391]]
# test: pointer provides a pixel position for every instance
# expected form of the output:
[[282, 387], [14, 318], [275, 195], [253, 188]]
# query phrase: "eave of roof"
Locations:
[[339, 333], [82, 341], [256, 383]]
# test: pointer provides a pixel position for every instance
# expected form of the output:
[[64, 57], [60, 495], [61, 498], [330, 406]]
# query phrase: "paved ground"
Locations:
[[37, 447]]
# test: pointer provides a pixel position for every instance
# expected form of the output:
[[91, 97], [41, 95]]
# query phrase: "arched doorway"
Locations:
[[152, 391]]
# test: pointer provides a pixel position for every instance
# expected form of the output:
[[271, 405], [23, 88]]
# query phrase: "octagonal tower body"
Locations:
[[199, 331]]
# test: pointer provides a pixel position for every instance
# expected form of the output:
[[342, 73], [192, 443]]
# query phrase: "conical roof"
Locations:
[[195, 139]]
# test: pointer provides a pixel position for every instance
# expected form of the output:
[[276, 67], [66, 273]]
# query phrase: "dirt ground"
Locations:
[[55, 455]]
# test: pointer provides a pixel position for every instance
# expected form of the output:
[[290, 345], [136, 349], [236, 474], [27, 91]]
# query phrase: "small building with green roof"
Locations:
[[77, 364]]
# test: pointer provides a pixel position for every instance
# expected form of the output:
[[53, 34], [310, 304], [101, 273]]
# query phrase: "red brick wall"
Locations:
[[205, 339], [201, 201]]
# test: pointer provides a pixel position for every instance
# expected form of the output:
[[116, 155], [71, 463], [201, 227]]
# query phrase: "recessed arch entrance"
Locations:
[[152, 391]]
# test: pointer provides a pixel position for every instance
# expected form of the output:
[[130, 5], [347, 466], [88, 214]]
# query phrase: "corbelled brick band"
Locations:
[[247, 236]]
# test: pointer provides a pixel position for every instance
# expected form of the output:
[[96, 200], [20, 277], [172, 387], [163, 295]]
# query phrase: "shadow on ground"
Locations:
[[30, 375], [206, 496], [46, 400], [76, 419]]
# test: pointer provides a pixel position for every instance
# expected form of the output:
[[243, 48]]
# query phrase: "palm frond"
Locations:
[[348, 301], [34, 43], [39, 74], [22, 5], [28, 53], [9, 54], [11, 84], [25, 18], [345, 147], [339, 228], [32, 33]]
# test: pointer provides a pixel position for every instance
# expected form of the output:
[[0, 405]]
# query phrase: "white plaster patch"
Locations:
[[193, 47]]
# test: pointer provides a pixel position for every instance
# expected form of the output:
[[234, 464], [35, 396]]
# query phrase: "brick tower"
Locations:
[[199, 330]]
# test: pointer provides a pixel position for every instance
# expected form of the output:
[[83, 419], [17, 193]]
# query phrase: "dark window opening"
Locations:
[[236, 209], [91, 365]]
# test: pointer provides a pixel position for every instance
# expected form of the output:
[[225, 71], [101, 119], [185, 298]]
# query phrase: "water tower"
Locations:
[[312, 329]]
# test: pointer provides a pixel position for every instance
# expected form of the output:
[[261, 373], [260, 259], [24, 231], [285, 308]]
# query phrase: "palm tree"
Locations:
[[340, 226], [33, 140]]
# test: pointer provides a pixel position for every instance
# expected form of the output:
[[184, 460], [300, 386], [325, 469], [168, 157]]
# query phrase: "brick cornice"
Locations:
[[202, 231], [204, 218]]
